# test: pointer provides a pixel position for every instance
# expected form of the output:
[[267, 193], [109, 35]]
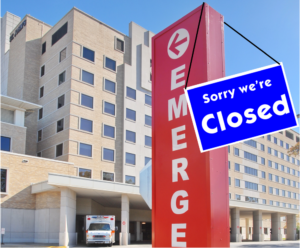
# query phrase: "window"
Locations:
[[86, 125], [84, 173], [85, 150], [294, 195], [263, 188], [283, 180], [108, 176], [60, 125], [120, 45], [229, 180], [88, 54], [41, 91], [40, 134], [269, 137], [264, 201], [109, 86], [271, 190], [108, 154], [44, 47], [271, 203], [282, 167], [270, 177], [277, 191], [236, 151], [5, 143], [269, 150], [59, 150], [289, 205], [108, 131], [250, 171], [263, 161], [287, 146], [251, 199], [277, 204], [270, 163], [287, 158], [293, 172], [61, 101], [87, 77], [289, 135], [147, 160], [43, 70], [236, 167], [39, 154], [229, 195], [283, 192], [289, 194], [131, 93], [276, 166], [275, 140], [130, 136], [109, 108], [228, 164], [62, 78], [250, 156], [293, 160], [281, 143], [288, 170], [59, 33], [110, 64], [130, 179], [276, 179], [251, 143], [294, 184], [148, 120], [282, 155], [148, 141], [276, 153], [228, 149], [237, 197], [288, 182], [130, 158], [297, 139], [87, 101], [237, 182], [249, 185], [130, 114], [40, 113], [3, 179], [298, 162], [62, 54], [262, 147], [148, 100], [263, 174]]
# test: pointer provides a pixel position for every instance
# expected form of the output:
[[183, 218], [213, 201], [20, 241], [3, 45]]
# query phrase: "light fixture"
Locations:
[[143, 223]]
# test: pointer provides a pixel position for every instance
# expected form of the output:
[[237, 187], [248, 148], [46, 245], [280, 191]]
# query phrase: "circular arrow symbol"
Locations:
[[178, 43]]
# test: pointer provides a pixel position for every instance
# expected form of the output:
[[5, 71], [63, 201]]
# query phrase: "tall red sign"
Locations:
[[190, 198]]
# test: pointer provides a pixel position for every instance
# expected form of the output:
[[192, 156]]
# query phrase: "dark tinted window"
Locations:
[[60, 125], [109, 131], [41, 91], [108, 154], [85, 150], [40, 133], [87, 101], [62, 78], [109, 108], [148, 141], [130, 158], [148, 100], [59, 150], [59, 33], [40, 113], [110, 86], [120, 45], [110, 64], [3, 180], [130, 114], [289, 135], [108, 176], [99, 227], [131, 93], [42, 70], [87, 77], [130, 179], [61, 101], [39, 154], [44, 47], [84, 173], [86, 125], [130, 136], [5, 144], [62, 54], [148, 120], [147, 160], [88, 54]]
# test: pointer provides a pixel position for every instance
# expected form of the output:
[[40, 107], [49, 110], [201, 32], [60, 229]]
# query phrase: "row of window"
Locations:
[[283, 156], [284, 193], [283, 180], [283, 168]]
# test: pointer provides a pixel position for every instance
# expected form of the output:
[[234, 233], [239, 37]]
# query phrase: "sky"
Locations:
[[273, 25]]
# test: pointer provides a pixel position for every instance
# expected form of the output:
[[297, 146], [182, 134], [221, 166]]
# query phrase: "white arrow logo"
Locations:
[[178, 43]]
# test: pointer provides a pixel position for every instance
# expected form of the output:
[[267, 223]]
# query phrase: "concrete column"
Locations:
[[124, 234], [138, 231], [247, 228], [258, 226], [67, 235], [19, 118], [235, 225], [291, 227], [276, 227]]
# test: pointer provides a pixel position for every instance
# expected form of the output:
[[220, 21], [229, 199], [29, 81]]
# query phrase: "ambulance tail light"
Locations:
[[89, 218], [111, 218], [86, 231]]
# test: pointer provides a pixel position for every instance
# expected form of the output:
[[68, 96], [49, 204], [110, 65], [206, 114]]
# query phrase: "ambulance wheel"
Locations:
[[110, 245]]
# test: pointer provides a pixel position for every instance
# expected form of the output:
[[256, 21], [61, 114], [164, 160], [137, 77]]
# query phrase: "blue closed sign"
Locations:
[[241, 107]]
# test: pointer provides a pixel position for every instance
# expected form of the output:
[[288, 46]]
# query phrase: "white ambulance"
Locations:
[[100, 229]]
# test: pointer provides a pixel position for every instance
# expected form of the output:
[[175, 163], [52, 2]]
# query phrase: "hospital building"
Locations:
[[76, 132]]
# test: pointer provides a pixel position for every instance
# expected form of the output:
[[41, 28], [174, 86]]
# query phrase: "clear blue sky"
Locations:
[[273, 25]]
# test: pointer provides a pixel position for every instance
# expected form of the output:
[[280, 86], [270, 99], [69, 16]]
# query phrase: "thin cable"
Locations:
[[187, 79], [251, 43]]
